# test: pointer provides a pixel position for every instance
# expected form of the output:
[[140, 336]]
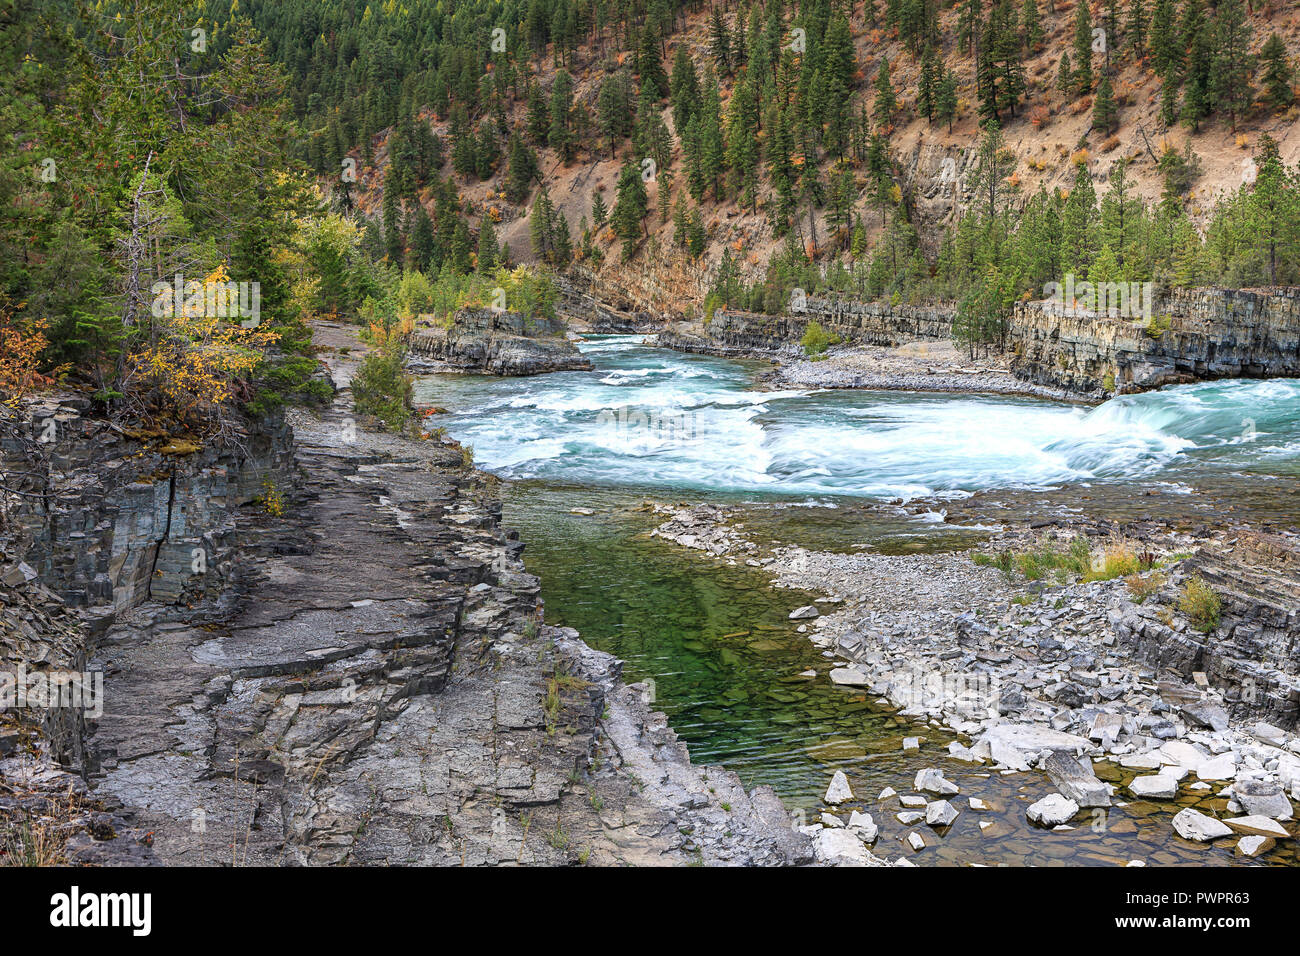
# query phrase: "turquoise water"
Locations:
[[650, 418]]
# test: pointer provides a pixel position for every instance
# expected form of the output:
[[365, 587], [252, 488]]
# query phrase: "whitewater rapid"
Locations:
[[648, 417]]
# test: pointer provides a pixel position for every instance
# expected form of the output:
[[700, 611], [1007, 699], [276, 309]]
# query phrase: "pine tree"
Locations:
[[886, 102], [422, 241], [599, 211], [538, 123], [1278, 73], [1105, 114], [1065, 74], [683, 89], [631, 206], [563, 240], [560, 136], [488, 253], [720, 41], [1196, 39], [1273, 212], [1032, 25], [1082, 48], [926, 87], [946, 103], [1136, 28], [1232, 62], [649, 65], [1166, 54], [521, 169], [541, 227]]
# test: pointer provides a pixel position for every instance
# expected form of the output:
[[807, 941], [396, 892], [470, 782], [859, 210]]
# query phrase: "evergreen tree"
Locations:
[[926, 89], [1278, 73], [720, 41], [521, 169], [1032, 25], [1232, 63], [630, 208], [422, 241], [1065, 74], [650, 66], [541, 227], [1198, 64], [1135, 29], [1082, 48], [945, 107], [683, 89], [488, 253], [886, 102], [599, 212], [1105, 114], [1166, 54], [560, 136]]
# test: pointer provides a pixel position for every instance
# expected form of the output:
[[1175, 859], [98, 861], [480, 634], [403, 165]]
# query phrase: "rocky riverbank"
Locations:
[[1076, 679], [1053, 352], [374, 683], [922, 366], [492, 342]]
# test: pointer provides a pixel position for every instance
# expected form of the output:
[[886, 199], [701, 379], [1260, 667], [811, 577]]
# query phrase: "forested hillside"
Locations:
[[389, 160], [903, 140]]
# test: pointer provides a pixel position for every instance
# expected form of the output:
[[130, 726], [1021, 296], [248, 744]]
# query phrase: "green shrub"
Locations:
[[816, 340], [1200, 604], [382, 388]]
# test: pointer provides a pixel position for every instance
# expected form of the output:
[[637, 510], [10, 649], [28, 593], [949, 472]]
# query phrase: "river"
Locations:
[[838, 470]]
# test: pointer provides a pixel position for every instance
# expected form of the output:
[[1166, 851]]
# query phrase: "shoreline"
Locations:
[[1029, 681], [923, 366]]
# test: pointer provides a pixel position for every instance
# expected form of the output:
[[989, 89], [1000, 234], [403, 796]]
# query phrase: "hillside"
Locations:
[[1049, 131]]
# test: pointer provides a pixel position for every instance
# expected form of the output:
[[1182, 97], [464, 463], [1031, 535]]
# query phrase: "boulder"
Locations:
[[1259, 826], [864, 826], [840, 847], [804, 613], [1012, 745], [849, 677], [940, 813], [1193, 825], [1254, 845], [1075, 779], [931, 780], [1258, 797], [1204, 713], [1052, 810], [1222, 767], [839, 790], [1156, 786]]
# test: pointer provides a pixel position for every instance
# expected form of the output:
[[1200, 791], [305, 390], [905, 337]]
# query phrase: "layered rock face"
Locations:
[[732, 332], [498, 343], [587, 311], [109, 518], [1193, 335], [368, 681], [1253, 655]]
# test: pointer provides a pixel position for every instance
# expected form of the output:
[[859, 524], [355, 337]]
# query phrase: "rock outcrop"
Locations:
[[497, 343], [366, 679], [732, 332], [1253, 655], [1193, 335]]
